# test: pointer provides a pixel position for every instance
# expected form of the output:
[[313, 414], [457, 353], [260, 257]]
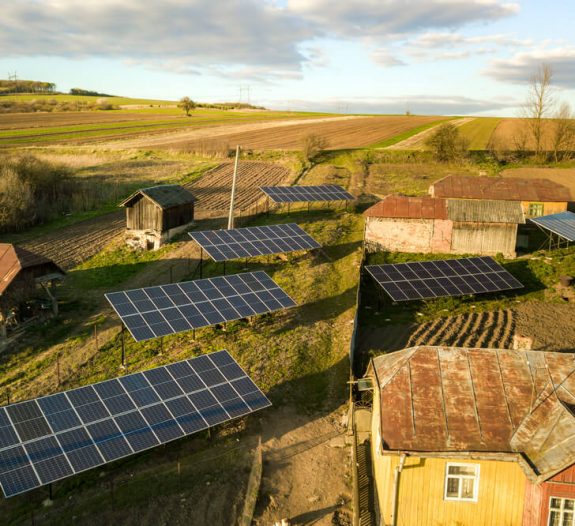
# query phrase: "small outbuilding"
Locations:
[[22, 273], [156, 214], [443, 226], [538, 197]]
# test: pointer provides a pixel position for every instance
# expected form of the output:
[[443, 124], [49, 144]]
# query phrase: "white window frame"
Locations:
[[475, 477], [560, 510]]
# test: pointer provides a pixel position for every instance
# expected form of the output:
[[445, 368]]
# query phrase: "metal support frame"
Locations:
[[201, 260], [123, 341]]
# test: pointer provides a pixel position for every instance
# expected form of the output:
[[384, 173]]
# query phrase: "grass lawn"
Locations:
[[479, 131]]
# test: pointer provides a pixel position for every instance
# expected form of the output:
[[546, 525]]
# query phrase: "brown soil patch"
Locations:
[[564, 176], [213, 189], [551, 326], [297, 449], [513, 134], [340, 132]]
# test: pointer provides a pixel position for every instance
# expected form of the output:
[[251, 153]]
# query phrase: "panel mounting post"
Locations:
[[123, 339]]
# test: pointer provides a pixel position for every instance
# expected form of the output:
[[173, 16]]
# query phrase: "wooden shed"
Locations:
[[22, 273], [538, 197], [448, 226], [155, 214]]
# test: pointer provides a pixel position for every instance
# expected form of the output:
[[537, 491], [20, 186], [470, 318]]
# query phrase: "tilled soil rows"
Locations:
[[74, 244], [213, 188]]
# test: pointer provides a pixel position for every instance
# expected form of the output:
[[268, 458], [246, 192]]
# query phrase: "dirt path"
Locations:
[[417, 141]]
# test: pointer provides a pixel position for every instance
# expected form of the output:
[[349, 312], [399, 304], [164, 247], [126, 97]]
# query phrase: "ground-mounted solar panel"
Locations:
[[562, 224], [451, 277], [303, 194], [189, 396], [157, 311], [223, 245]]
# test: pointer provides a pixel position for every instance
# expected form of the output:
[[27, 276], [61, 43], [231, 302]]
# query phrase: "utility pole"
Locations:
[[231, 218]]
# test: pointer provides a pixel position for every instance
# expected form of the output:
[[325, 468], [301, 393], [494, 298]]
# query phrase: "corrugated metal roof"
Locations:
[[445, 399], [13, 259], [485, 211], [397, 206], [499, 188], [165, 196]]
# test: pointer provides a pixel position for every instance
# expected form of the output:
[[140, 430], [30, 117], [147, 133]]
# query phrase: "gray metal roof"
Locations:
[[165, 196], [485, 211], [562, 224]]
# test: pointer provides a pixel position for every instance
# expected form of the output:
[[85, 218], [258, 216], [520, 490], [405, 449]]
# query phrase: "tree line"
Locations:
[[26, 86]]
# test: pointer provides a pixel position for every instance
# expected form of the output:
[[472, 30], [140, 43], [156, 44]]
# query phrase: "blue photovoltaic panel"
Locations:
[[168, 309], [562, 224], [222, 245], [301, 194], [434, 279], [37, 446]]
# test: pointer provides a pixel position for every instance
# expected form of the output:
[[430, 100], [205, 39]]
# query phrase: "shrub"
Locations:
[[447, 144], [312, 146]]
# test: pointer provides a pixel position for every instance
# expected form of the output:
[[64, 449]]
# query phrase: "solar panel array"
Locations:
[[299, 194], [434, 279], [168, 309], [54, 437], [562, 224], [222, 245]]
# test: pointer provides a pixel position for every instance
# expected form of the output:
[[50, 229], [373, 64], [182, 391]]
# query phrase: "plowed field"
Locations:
[[340, 132], [214, 187], [72, 245]]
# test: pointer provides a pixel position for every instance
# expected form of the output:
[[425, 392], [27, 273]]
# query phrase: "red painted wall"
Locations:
[[537, 496]]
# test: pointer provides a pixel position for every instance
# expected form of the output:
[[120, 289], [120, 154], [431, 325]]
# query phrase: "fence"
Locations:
[[253, 487]]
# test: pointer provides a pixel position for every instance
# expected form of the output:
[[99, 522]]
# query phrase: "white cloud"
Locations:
[[269, 39], [384, 58], [384, 18], [417, 104], [521, 67]]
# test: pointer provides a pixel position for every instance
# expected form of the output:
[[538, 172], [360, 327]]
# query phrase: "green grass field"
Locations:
[[479, 131], [200, 118], [407, 134], [83, 98]]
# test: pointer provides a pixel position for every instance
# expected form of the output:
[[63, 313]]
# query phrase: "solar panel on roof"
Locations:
[[450, 277], [157, 311], [190, 395], [299, 194], [562, 224], [222, 245]]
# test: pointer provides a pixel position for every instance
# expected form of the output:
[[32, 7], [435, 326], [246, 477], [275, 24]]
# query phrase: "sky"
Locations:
[[442, 57]]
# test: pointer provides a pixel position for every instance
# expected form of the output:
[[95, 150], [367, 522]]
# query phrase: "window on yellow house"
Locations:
[[535, 209], [461, 482], [561, 512]]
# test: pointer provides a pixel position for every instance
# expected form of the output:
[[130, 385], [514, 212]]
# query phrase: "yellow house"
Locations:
[[460, 436], [538, 197]]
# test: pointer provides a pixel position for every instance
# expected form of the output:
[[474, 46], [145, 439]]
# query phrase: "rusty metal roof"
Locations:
[[398, 206], [13, 259], [165, 196], [445, 399], [500, 188], [485, 211]]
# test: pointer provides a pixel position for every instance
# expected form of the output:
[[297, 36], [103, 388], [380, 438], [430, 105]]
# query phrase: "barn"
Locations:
[[156, 214], [538, 197], [443, 226], [22, 273]]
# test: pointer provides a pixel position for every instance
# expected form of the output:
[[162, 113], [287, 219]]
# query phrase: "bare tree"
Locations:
[[539, 105], [187, 105], [563, 137]]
